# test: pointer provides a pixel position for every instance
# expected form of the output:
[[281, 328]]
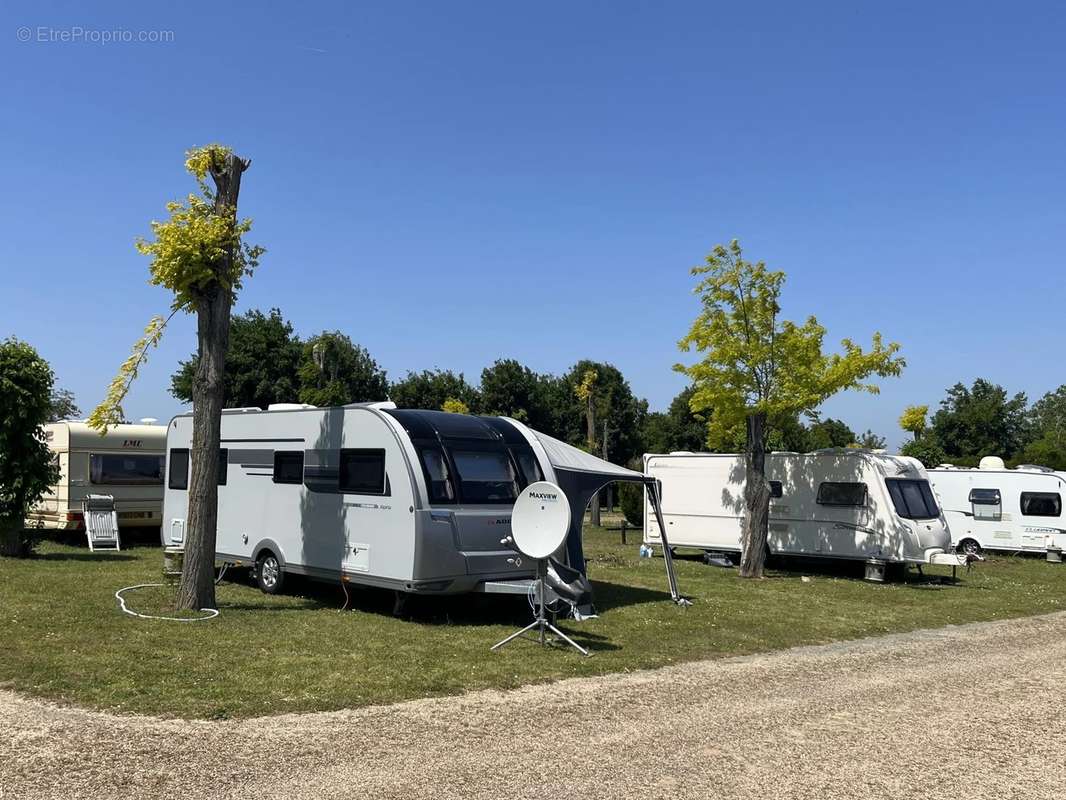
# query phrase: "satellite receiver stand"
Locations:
[[539, 523]]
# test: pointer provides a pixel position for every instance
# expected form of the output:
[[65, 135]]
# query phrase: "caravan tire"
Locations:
[[970, 547], [269, 573]]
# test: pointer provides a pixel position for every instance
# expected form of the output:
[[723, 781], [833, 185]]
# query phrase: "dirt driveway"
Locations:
[[964, 712]]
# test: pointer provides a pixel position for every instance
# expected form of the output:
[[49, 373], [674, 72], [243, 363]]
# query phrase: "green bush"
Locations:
[[631, 501], [26, 466], [925, 450]]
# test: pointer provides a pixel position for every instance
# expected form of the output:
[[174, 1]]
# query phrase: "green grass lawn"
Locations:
[[63, 637]]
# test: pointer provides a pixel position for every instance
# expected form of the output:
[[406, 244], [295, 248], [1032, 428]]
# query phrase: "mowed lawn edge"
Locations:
[[65, 640]]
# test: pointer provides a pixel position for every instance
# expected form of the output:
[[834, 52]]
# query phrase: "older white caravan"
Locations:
[[840, 503], [126, 462], [416, 501], [995, 508]]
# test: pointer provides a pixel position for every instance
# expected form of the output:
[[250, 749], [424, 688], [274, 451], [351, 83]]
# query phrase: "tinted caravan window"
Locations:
[[179, 469], [223, 466], [362, 471], [842, 494], [288, 466], [984, 497], [527, 462], [122, 469], [912, 499], [485, 476], [438, 476], [1041, 504], [776, 489]]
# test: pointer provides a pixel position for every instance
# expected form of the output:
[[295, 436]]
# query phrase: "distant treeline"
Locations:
[[268, 363]]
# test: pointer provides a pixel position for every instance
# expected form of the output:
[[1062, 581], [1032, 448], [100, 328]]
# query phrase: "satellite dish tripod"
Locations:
[[541, 623]]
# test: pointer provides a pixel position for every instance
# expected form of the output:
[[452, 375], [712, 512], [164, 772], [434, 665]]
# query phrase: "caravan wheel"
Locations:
[[268, 573], [970, 547]]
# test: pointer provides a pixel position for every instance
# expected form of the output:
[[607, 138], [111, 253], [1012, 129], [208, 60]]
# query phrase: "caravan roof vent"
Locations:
[[1033, 468], [991, 462], [289, 406], [148, 421]]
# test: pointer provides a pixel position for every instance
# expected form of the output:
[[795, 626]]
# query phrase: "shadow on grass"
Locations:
[[99, 556], [473, 609]]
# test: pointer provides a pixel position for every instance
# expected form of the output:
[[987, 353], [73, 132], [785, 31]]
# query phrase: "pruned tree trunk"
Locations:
[[591, 420], [197, 589], [756, 500]]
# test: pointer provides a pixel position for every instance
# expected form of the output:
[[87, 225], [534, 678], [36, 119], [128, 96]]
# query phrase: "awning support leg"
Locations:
[[668, 557]]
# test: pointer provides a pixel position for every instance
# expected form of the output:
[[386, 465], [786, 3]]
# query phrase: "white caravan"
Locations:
[[995, 508], [415, 501], [126, 462], [840, 503]]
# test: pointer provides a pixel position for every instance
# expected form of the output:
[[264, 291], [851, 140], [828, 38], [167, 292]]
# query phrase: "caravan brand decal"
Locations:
[[373, 506], [133, 443]]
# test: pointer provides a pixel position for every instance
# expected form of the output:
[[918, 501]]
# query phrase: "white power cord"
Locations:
[[211, 612]]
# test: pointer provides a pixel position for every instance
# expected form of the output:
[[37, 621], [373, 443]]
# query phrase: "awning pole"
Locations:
[[652, 486]]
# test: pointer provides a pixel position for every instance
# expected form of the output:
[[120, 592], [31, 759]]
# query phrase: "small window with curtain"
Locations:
[[1041, 504], [986, 503], [178, 475], [362, 471], [833, 493], [288, 466]]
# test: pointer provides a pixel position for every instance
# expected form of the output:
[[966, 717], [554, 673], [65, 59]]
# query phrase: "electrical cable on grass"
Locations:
[[211, 612]]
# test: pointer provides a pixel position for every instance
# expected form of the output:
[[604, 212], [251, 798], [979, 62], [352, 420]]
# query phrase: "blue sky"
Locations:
[[451, 183]]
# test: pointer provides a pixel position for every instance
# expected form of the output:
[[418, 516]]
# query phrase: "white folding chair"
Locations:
[[101, 522]]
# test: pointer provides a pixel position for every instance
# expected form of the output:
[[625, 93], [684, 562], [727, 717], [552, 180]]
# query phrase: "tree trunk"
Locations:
[[591, 420], [197, 589], [756, 500], [12, 538]]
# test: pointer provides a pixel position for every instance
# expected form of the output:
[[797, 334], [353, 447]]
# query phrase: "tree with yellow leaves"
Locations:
[[198, 254]]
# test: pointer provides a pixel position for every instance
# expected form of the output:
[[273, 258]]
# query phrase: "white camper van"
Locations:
[[839, 503], [126, 462], [416, 501], [995, 508]]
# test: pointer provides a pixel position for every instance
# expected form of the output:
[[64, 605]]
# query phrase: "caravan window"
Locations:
[[986, 503], [841, 494], [486, 476], [363, 471], [527, 462], [913, 499], [122, 469], [179, 469], [438, 477], [776, 489], [288, 466], [1041, 504]]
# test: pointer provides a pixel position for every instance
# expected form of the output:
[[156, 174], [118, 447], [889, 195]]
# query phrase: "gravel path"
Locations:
[[962, 712]]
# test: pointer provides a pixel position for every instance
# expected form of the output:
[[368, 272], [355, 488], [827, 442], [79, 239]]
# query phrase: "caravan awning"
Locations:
[[580, 475]]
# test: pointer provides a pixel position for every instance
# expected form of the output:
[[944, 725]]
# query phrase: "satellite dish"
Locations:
[[540, 519]]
